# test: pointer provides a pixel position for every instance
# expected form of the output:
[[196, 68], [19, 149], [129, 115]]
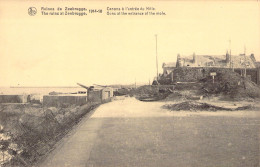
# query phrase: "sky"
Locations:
[[100, 49]]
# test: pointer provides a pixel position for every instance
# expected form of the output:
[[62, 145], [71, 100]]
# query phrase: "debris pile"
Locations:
[[180, 95], [230, 84], [197, 106], [193, 106], [122, 92], [153, 92], [188, 86]]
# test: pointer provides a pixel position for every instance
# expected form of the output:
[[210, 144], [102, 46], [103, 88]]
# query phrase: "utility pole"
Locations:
[[245, 59], [229, 53], [156, 56], [231, 61]]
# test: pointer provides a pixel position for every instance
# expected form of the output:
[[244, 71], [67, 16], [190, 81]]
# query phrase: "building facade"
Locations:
[[195, 67]]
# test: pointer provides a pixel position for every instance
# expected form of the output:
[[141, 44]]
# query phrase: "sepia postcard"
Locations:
[[129, 83]]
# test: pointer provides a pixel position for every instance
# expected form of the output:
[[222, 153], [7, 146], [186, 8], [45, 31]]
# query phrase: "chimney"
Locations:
[[194, 58], [178, 60], [252, 56], [163, 65], [227, 58]]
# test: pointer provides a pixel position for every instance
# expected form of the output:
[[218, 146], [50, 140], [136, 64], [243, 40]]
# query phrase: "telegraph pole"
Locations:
[[245, 59], [229, 53], [231, 61], [156, 56]]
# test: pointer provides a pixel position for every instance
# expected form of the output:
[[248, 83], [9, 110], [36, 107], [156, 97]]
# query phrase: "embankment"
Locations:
[[27, 132]]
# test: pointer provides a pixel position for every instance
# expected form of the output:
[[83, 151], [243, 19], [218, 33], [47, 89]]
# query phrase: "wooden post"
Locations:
[[156, 56]]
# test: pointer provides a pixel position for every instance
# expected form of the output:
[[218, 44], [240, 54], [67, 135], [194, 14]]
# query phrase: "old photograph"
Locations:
[[129, 83]]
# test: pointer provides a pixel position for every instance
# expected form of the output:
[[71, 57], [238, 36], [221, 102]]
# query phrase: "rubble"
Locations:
[[198, 106], [231, 85], [153, 92], [194, 106], [227, 86]]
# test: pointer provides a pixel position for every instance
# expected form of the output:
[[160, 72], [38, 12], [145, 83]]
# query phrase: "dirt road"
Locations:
[[133, 133]]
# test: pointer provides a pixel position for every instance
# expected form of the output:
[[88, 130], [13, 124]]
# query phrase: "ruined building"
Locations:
[[219, 61], [195, 67]]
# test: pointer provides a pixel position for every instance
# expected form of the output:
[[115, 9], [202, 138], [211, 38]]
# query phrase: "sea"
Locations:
[[38, 90]]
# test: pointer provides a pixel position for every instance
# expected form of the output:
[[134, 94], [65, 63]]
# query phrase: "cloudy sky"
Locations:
[[99, 49]]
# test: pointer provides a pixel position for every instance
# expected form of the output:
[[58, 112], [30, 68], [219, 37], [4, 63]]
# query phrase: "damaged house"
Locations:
[[195, 67]]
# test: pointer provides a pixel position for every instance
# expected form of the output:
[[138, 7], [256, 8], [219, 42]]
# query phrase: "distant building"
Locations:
[[195, 67], [221, 61]]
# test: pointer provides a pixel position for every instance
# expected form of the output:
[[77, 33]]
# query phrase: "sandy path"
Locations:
[[133, 133]]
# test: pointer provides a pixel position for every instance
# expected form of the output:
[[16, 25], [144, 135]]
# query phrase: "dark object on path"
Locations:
[[197, 106], [194, 106]]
